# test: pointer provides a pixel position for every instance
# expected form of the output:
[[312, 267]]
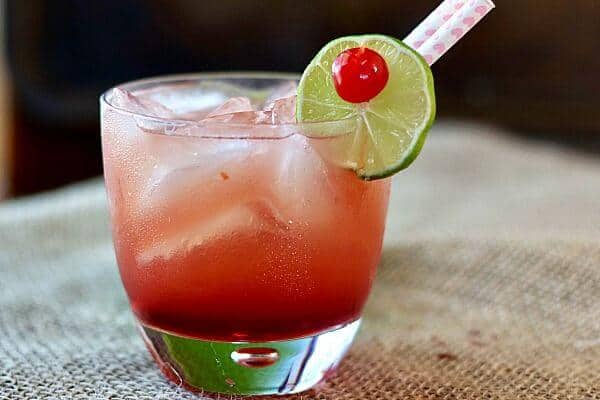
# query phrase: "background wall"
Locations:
[[6, 130], [532, 66]]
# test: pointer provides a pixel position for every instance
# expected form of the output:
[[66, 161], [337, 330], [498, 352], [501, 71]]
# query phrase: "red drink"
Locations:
[[228, 233], [223, 257], [241, 249]]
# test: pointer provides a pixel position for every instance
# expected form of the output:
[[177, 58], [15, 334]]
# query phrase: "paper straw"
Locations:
[[433, 22], [454, 29]]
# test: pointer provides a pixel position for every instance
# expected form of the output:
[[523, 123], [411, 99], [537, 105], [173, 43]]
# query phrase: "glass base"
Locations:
[[249, 368]]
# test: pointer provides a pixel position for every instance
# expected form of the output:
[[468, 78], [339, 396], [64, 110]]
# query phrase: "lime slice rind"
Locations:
[[394, 123]]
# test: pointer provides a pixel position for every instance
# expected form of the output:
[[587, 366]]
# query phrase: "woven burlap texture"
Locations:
[[489, 286]]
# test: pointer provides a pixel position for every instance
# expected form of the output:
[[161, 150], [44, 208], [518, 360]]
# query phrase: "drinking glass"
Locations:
[[246, 246]]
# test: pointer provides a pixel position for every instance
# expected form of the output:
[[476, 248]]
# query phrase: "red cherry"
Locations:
[[359, 74]]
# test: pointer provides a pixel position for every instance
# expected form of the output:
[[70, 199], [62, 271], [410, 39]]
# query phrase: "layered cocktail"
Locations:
[[238, 225]]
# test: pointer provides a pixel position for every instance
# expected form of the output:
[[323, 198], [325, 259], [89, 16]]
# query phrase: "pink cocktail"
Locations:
[[238, 229]]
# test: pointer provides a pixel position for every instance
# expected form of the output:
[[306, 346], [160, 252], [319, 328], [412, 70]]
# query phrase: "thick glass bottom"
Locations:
[[249, 368]]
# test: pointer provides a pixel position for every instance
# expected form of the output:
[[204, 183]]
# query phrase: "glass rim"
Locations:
[[333, 125]]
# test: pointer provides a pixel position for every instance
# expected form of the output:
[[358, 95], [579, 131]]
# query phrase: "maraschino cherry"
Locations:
[[359, 74]]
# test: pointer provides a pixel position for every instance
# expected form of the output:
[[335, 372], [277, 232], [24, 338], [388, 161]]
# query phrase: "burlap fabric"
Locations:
[[489, 286]]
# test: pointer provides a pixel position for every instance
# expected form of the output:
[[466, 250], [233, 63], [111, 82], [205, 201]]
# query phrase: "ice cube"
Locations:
[[189, 168], [301, 184], [245, 117], [238, 110], [126, 100], [254, 216], [288, 89], [283, 111], [186, 100], [194, 234], [145, 107], [193, 100], [233, 105]]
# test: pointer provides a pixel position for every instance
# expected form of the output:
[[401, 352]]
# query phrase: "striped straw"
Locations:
[[453, 29], [433, 22]]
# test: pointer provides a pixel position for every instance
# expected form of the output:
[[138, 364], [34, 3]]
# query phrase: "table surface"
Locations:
[[488, 285]]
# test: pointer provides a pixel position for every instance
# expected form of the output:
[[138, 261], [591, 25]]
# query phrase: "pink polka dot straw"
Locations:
[[433, 22], [445, 26]]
